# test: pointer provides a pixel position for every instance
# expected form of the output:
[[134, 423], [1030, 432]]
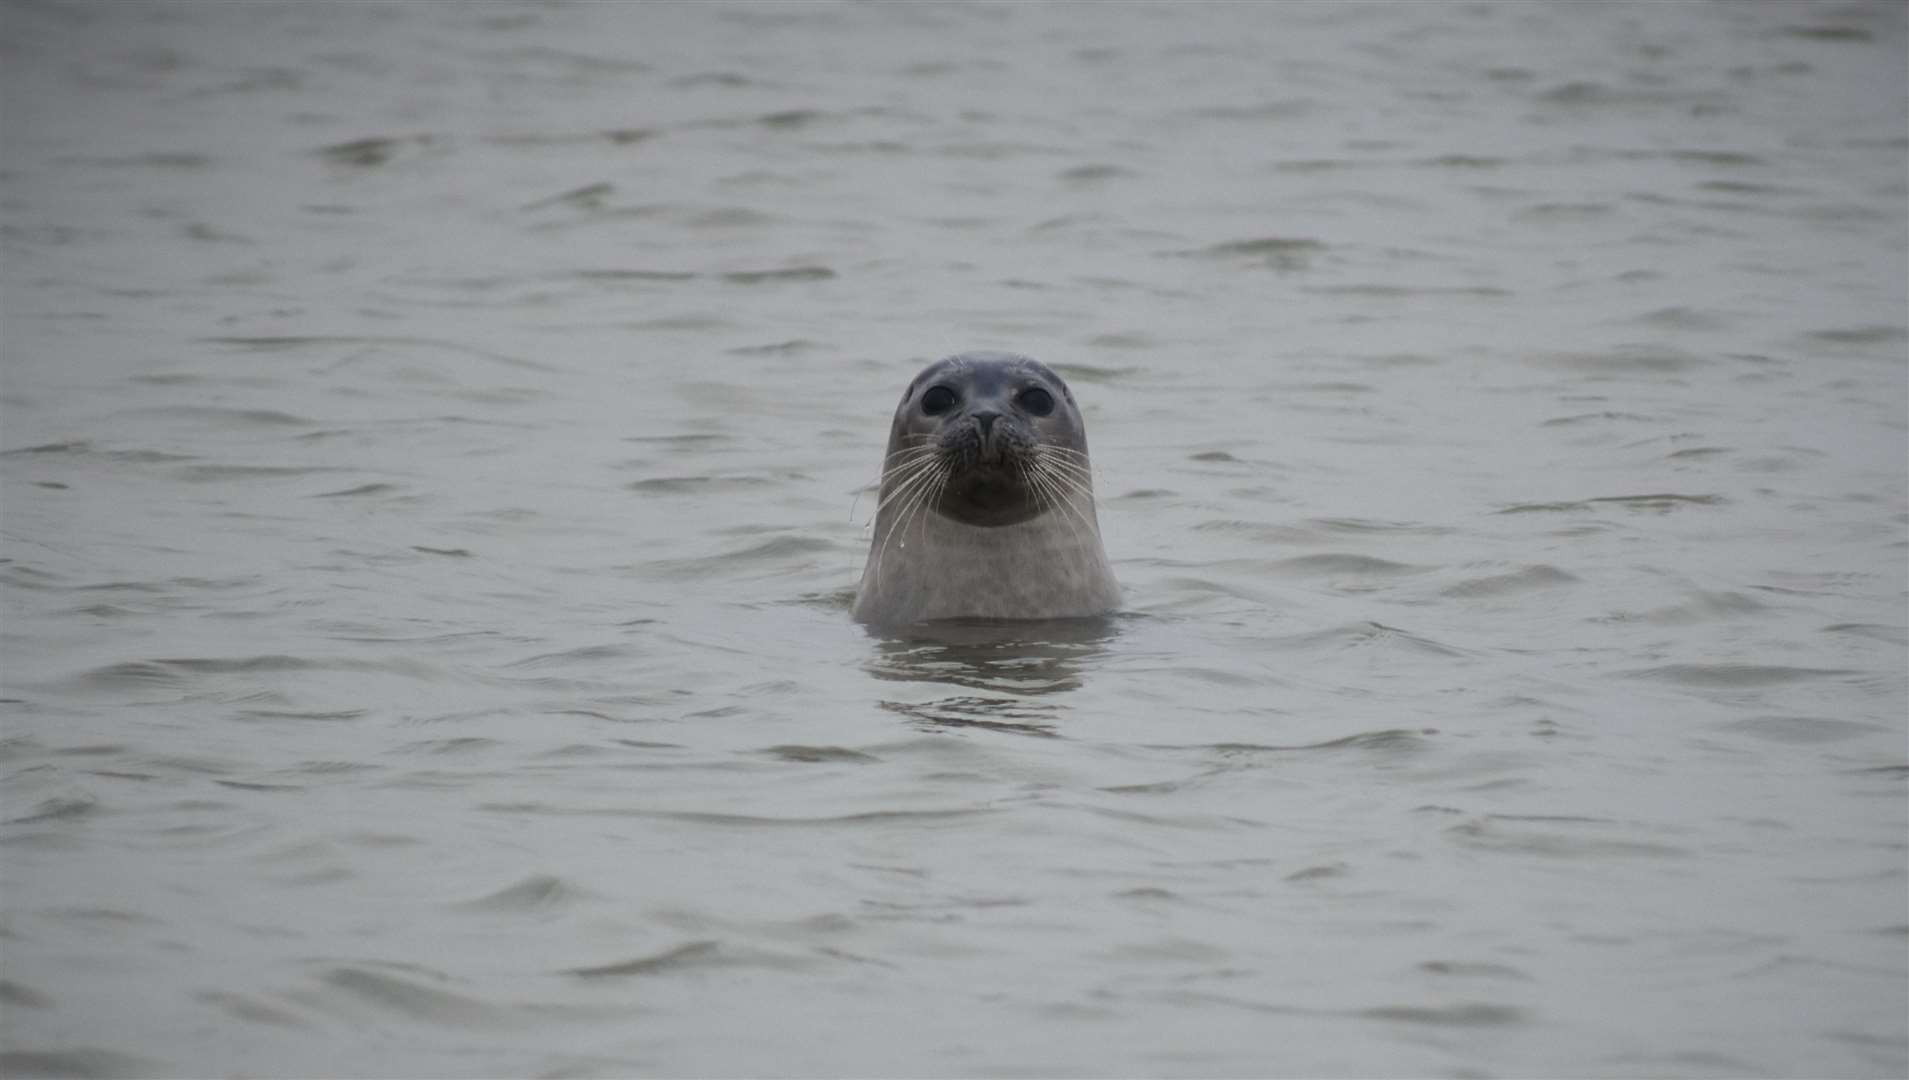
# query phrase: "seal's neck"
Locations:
[[928, 566]]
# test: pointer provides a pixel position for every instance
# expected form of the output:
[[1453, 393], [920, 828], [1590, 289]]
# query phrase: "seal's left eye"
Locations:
[[937, 400], [1037, 401]]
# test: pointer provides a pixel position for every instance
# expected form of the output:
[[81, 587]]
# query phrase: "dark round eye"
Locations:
[[1037, 401], [938, 400]]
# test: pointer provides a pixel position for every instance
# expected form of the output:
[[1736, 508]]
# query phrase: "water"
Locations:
[[437, 446]]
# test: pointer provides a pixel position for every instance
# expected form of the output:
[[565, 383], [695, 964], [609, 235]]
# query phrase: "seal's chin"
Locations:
[[988, 494]]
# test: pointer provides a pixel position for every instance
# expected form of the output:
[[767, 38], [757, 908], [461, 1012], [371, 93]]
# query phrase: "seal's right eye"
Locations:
[[938, 400]]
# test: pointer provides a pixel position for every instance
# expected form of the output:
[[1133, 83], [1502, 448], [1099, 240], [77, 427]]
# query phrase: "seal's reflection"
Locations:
[[1014, 662]]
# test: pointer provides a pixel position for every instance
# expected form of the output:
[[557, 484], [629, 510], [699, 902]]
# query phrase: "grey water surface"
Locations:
[[438, 446]]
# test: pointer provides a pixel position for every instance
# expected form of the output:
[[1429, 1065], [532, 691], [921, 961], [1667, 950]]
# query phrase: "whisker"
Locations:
[[1065, 488], [901, 487], [917, 497], [902, 469], [909, 450], [1068, 468], [1050, 448], [1042, 483]]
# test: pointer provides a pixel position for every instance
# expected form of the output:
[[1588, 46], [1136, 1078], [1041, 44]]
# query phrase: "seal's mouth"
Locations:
[[988, 475]]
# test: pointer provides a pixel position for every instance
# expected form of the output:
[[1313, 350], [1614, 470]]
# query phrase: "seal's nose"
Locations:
[[985, 420]]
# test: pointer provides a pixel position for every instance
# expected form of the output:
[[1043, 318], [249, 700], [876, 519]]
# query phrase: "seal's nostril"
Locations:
[[986, 421]]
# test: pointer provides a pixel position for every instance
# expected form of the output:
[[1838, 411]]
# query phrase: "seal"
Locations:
[[987, 500]]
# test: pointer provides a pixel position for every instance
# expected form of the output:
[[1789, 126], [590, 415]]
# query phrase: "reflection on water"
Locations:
[[1013, 660], [994, 713]]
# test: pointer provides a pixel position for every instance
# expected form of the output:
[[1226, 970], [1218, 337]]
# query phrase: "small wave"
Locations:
[[781, 549], [792, 347], [369, 153], [1282, 109], [84, 448], [273, 343], [1841, 34], [461, 744], [72, 446], [634, 275], [159, 159], [1562, 843], [78, 1062], [1387, 740], [1274, 252], [692, 954], [1090, 373], [1342, 563], [741, 821], [1701, 607], [1463, 161], [1597, 417], [14, 995], [1894, 635], [1368, 526], [220, 474], [1473, 970], [793, 273], [1323, 871], [1628, 360], [412, 999], [807, 754], [246, 785], [1545, 213], [587, 197], [287, 714], [1661, 502], [1377, 291], [1735, 676], [1682, 318], [581, 654], [1803, 729], [538, 892], [698, 485], [1095, 174], [1361, 635], [250, 1009], [624, 136], [58, 808], [138, 673], [1259, 532], [1466, 1015], [1517, 581], [1860, 335], [1585, 93]]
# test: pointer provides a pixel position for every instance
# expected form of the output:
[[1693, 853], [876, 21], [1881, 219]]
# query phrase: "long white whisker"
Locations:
[[891, 468], [921, 498], [1065, 489], [917, 495], [918, 448], [1043, 484], [1070, 470], [899, 488]]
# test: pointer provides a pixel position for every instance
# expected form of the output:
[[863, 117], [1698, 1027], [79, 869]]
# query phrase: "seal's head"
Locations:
[[999, 432], [987, 501]]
